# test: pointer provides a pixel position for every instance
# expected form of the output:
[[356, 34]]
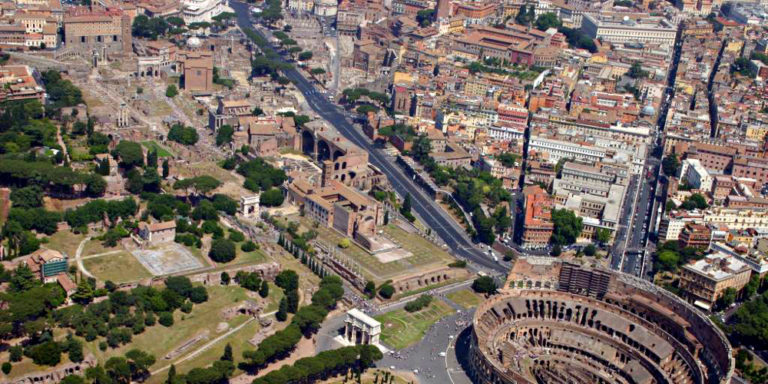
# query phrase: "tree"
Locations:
[[48, 353], [567, 227], [222, 250], [288, 280], [152, 158], [201, 184], [556, 250], [7, 367], [282, 311], [171, 91], [405, 209], [166, 168], [227, 355], [386, 291], [72, 379], [425, 17], [727, 298], [306, 55], [590, 250], [165, 319], [264, 290], [248, 246], [225, 279], [370, 289], [84, 293], [548, 20], [130, 154], [602, 236], [183, 135], [150, 28], [27, 197], [224, 135], [272, 197], [667, 260], [484, 284], [636, 71], [670, 165]]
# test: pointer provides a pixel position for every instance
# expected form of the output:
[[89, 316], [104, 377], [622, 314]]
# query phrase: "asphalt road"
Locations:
[[426, 208]]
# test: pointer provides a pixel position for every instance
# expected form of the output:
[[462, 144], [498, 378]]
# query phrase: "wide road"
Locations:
[[427, 209]]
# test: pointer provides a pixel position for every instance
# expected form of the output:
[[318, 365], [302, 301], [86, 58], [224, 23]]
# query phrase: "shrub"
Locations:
[[248, 246], [198, 295], [422, 302], [48, 353], [165, 319], [186, 307], [344, 243], [386, 291], [222, 250], [236, 236], [16, 352], [458, 264], [103, 345], [7, 367], [484, 284]]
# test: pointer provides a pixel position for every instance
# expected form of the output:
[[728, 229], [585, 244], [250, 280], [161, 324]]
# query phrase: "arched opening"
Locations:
[[323, 151], [307, 142], [336, 154]]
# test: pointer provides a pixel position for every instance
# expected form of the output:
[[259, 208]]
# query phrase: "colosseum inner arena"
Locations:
[[558, 322]]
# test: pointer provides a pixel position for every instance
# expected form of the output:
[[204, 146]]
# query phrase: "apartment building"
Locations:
[[704, 281]]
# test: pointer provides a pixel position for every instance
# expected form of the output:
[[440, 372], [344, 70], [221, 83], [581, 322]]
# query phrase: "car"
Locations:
[[442, 354]]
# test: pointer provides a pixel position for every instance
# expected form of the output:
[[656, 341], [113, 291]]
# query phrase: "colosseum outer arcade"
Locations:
[[557, 322]]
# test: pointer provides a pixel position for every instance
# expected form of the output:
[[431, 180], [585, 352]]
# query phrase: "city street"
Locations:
[[426, 208]]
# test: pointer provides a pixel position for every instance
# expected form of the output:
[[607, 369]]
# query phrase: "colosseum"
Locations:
[[558, 322]]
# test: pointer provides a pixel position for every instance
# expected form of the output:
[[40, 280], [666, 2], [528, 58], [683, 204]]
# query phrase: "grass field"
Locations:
[[425, 255], [161, 151], [119, 267], [159, 340], [93, 247], [210, 168], [466, 298], [64, 241], [400, 329]]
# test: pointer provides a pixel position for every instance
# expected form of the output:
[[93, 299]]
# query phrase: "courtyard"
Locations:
[[415, 253]]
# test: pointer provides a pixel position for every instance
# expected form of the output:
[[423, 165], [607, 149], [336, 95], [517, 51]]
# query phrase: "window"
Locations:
[[199, 72], [114, 37], [99, 39], [82, 39]]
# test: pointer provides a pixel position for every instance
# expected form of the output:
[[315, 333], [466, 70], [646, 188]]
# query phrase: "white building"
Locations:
[[557, 150], [618, 29], [326, 8], [199, 11], [505, 133], [694, 173]]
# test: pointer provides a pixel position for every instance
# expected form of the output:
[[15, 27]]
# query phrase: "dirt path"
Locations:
[[79, 259], [205, 346]]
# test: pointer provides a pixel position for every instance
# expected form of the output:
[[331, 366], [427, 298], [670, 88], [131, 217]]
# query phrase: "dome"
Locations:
[[194, 42], [649, 110]]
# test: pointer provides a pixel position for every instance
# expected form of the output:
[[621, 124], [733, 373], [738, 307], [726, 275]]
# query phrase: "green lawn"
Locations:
[[400, 329], [119, 267], [93, 247], [64, 241], [161, 151], [159, 340], [466, 298]]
